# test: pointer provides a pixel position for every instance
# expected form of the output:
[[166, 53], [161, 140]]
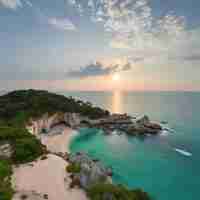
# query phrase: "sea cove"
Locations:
[[99, 99], [150, 162], [34, 138]]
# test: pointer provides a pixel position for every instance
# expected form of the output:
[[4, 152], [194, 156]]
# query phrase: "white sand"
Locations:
[[47, 176], [58, 142]]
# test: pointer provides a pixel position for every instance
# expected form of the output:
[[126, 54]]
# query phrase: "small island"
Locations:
[[35, 131]]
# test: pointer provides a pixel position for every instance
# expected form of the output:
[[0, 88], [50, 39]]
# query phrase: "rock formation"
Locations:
[[46, 122], [121, 122], [5, 150], [91, 171]]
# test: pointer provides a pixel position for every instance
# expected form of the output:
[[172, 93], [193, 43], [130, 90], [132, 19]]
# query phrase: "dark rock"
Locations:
[[44, 157], [23, 196], [75, 182], [45, 196], [153, 126]]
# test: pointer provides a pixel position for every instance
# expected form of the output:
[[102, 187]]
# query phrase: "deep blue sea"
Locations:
[[150, 163]]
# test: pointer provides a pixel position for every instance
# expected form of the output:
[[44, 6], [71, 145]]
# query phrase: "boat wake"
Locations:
[[183, 152]]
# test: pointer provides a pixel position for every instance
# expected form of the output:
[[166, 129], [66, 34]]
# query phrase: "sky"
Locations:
[[104, 45]]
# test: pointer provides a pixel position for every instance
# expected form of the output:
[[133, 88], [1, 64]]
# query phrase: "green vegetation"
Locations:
[[18, 106], [26, 147], [6, 191], [9, 133], [73, 168], [115, 192], [5, 169]]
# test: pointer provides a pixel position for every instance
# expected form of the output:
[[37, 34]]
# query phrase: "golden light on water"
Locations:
[[117, 104]]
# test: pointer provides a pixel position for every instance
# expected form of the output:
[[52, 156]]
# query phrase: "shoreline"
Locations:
[[58, 141], [47, 178]]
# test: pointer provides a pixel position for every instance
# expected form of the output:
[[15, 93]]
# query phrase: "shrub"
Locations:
[[26, 146], [73, 168], [115, 192], [13, 133], [5, 169], [27, 150], [6, 191], [140, 194]]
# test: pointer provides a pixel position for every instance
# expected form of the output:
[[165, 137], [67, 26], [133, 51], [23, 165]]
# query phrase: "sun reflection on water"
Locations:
[[117, 102]]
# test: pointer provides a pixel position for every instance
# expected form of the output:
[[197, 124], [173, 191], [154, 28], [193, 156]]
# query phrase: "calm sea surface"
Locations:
[[151, 162]]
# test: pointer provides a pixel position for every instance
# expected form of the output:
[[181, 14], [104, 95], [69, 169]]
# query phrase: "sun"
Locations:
[[116, 77]]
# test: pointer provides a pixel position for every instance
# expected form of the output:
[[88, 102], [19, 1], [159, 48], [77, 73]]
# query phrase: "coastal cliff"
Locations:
[[46, 122], [26, 115], [119, 122]]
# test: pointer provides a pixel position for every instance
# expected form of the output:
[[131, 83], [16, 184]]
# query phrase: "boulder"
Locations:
[[92, 172], [143, 120], [153, 126], [5, 150]]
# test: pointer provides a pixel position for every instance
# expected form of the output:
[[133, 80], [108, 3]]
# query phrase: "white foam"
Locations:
[[164, 133], [183, 152]]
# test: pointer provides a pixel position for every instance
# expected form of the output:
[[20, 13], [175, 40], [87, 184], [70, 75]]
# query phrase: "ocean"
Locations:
[[167, 166]]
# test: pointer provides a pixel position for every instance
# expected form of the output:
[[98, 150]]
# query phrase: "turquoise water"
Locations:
[[151, 162]]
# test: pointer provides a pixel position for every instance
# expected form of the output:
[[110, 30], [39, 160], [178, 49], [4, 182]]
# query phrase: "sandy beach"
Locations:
[[47, 178], [56, 142]]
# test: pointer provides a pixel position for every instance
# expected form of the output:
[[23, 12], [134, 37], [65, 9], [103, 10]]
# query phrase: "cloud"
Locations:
[[126, 67], [192, 57], [62, 24], [58, 23], [137, 31], [98, 69], [28, 3], [11, 4]]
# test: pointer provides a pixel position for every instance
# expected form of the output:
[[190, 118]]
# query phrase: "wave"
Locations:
[[183, 152], [167, 128], [164, 133]]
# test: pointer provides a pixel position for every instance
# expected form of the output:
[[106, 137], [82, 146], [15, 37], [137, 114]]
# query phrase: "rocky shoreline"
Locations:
[[35, 149], [80, 170], [37, 180], [54, 132], [90, 171], [115, 122]]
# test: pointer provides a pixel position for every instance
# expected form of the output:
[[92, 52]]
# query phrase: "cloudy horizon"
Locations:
[[77, 45]]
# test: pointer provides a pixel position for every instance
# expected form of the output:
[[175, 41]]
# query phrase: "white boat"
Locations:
[[183, 152]]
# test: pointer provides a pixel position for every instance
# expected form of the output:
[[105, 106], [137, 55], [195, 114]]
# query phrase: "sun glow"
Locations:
[[116, 77]]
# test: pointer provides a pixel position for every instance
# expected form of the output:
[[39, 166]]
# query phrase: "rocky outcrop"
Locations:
[[91, 171], [144, 120], [143, 126], [29, 195], [121, 122], [5, 150], [46, 122], [124, 123]]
